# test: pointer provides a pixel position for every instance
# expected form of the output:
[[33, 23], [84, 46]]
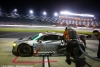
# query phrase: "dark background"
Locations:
[[51, 6]]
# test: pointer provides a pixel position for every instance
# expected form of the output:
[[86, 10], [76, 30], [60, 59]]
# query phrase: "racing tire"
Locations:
[[24, 50]]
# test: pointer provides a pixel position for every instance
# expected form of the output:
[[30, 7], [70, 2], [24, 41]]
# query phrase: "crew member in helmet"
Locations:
[[97, 34], [69, 34]]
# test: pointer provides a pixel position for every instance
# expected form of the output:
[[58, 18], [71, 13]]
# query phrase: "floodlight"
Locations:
[[44, 13], [31, 12], [15, 10], [55, 14]]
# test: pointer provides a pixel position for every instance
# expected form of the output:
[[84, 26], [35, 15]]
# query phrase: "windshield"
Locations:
[[35, 37]]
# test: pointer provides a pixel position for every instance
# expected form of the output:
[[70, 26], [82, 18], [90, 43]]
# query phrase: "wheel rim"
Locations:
[[24, 50]]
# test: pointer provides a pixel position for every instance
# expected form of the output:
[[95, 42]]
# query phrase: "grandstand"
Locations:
[[77, 21], [61, 20], [22, 21]]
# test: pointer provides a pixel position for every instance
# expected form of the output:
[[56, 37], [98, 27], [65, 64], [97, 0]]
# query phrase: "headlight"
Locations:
[[14, 44]]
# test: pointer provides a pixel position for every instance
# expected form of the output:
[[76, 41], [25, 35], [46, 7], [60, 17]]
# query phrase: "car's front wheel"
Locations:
[[25, 50]]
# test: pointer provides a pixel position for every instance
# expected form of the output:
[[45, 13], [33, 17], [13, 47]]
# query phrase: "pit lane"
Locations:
[[6, 56]]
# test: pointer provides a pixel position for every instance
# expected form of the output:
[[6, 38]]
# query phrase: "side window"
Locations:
[[45, 37], [60, 38], [51, 37], [57, 37]]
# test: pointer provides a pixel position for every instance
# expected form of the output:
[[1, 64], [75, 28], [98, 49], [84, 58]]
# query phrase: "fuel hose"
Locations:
[[96, 59]]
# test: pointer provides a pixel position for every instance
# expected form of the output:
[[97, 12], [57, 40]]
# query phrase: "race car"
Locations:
[[49, 43]]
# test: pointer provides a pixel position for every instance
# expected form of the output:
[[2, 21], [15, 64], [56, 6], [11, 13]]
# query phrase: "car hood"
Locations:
[[25, 38]]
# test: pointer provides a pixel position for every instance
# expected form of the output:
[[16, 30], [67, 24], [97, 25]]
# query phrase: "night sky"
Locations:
[[51, 6]]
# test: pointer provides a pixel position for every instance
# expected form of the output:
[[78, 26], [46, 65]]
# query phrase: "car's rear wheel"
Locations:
[[25, 50]]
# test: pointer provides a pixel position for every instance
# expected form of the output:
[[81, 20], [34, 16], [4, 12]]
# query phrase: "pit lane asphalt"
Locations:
[[26, 34]]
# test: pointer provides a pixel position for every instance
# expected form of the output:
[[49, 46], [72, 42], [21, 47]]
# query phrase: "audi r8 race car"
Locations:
[[49, 43]]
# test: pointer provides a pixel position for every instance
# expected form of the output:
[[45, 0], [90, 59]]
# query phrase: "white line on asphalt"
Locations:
[[8, 34], [46, 63]]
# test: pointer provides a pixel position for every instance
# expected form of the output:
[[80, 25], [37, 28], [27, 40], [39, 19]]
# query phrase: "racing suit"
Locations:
[[66, 35]]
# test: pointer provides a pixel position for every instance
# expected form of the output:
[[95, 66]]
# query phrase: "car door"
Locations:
[[39, 43], [43, 42], [51, 40]]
